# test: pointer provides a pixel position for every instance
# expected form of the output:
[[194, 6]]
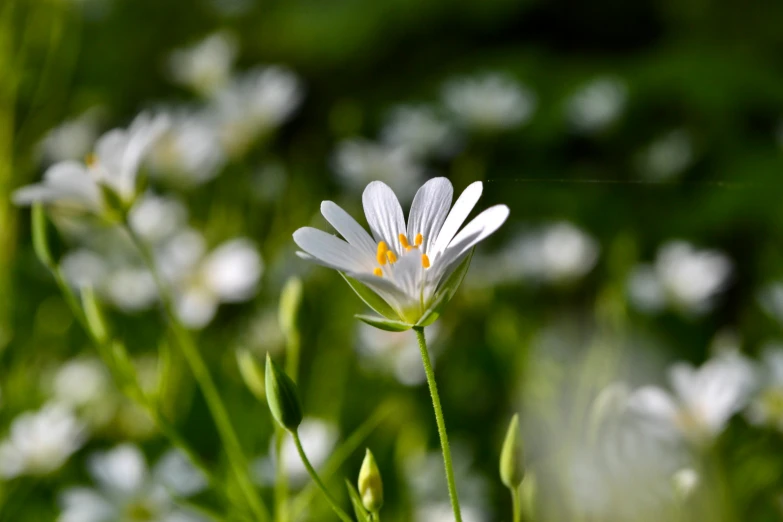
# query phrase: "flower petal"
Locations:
[[331, 251], [459, 213], [67, 182], [429, 210], [477, 230], [384, 214], [347, 226]]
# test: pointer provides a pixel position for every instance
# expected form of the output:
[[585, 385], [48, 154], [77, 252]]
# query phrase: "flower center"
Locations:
[[386, 255]]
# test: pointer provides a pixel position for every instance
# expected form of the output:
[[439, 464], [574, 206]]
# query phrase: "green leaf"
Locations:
[[371, 299], [446, 291], [356, 500], [381, 323]]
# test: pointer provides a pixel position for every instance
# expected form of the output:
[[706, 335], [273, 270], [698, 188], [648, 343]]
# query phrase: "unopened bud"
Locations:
[[370, 484], [512, 467], [251, 373], [282, 396], [290, 302]]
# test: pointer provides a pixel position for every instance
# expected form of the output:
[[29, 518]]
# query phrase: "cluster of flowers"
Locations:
[[239, 110]]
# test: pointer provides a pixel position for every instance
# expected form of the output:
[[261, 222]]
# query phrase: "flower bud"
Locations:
[[251, 373], [370, 484], [512, 467], [282, 396], [290, 302]]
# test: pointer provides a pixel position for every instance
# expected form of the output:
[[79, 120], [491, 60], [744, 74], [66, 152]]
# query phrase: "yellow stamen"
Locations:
[[408, 248], [404, 241], [91, 159], [391, 256], [381, 253], [419, 240], [378, 272], [425, 261]]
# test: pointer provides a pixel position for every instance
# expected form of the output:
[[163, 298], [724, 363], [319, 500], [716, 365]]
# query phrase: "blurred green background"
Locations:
[[646, 122]]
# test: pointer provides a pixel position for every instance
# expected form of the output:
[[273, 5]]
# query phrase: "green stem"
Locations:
[[444, 440], [200, 371], [104, 350], [515, 507], [329, 498]]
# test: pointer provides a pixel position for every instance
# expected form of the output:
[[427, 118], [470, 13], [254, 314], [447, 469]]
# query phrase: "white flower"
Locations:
[[490, 102], [114, 166], [767, 406], [228, 274], [206, 65], [668, 156], [689, 278], [419, 130], [128, 491], [704, 399], [555, 253], [318, 439], [80, 382], [40, 442], [254, 104], [190, 152], [405, 266], [596, 105], [72, 139], [359, 161], [685, 481]]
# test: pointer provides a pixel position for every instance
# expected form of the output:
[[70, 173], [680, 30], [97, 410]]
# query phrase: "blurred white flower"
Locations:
[[704, 398], [358, 162], [81, 381], [395, 352], [206, 65], [114, 167], [667, 157], [683, 276], [420, 130], [443, 512], [40, 442], [127, 490], [766, 408], [228, 274], [72, 139], [596, 105], [554, 253], [318, 439], [424, 471], [255, 103], [190, 152], [490, 102], [622, 468], [156, 218], [685, 481]]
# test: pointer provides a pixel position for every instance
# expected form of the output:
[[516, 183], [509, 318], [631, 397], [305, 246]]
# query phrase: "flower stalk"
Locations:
[[314, 475], [198, 367], [444, 439]]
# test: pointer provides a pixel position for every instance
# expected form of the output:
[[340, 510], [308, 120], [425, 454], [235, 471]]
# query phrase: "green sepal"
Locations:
[[445, 293], [390, 325], [371, 299], [356, 500]]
